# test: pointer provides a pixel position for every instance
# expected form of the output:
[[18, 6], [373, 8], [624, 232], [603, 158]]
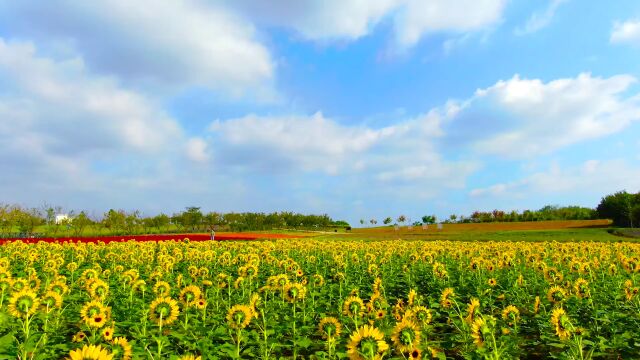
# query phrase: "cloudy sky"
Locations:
[[355, 108]]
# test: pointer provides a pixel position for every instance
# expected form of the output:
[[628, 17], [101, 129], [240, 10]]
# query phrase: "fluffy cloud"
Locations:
[[62, 105], [422, 17], [627, 32], [62, 127], [540, 20], [521, 118], [310, 142], [591, 179], [196, 150], [352, 19], [179, 43], [400, 156]]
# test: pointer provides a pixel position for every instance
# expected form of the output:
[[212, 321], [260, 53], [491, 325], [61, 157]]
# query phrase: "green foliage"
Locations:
[[622, 208]]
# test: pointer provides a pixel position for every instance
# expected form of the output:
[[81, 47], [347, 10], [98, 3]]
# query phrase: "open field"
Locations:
[[312, 298], [579, 230], [528, 290]]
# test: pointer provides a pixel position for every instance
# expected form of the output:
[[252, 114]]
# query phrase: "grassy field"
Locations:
[[580, 230]]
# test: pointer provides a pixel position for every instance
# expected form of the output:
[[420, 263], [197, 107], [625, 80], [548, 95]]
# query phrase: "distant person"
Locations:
[[213, 234]]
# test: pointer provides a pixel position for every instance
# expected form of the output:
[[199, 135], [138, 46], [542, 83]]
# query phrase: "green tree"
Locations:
[[80, 223], [619, 208], [114, 221], [192, 218], [387, 220]]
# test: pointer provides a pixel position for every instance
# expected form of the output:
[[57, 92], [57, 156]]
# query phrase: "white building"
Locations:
[[61, 218]]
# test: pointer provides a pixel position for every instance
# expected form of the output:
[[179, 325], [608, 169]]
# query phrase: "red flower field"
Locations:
[[161, 237]]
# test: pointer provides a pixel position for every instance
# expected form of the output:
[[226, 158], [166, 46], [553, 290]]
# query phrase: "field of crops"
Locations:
[[311, 299]]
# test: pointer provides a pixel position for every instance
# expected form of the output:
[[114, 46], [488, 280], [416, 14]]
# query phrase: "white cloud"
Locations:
[[312, 142], [180, 43], [67, 131], [197, 150], [352, 19], [423, 17], [590, 179], [540, 20], [65, 108], [318, 20], [401, 156], [627, 32], [526, 118]]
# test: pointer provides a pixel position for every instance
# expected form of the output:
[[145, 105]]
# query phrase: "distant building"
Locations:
[[61, 218]]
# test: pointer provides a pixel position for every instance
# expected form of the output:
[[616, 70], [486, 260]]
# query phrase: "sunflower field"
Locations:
[[313, 299]]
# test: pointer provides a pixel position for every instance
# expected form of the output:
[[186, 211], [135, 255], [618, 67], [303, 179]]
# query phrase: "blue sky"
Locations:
[[358, 109]]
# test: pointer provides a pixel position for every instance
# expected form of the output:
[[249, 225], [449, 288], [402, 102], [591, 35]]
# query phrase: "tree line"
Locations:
[[622, 208], [15, 219]]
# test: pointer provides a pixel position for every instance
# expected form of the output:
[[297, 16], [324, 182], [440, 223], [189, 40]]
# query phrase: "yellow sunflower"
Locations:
[[59, 287], [121, 348], [318, 280], [239, 316], [330, 328], [97, 320], [107, 333], [581, 288], [353, 307], [472, 308], [511, 314], [445, 300], [478, 329], [405, 336], [421, 314], [367, 343], [411, 297], [79, 337], [190, 294], [556, 294], [162, 288], [560, 321], [90, 352], [415, 354], [91, 309], [19, 284], [164, 311], [190, 357], [294, 292], [23, 303], [99, 289], [51, 300]]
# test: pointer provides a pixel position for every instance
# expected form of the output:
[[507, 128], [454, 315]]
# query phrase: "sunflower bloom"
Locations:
[[190, 357], [556, 294], [190, 294], [511, 314], [121, 348], [406, 336], [23, 303], [164, 311], [294, 292], [478, 329], [560, 320], [239, 316], [472, 308], [445, 300], [90, 352], [330, 328], [366, 343], [353, 307]]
